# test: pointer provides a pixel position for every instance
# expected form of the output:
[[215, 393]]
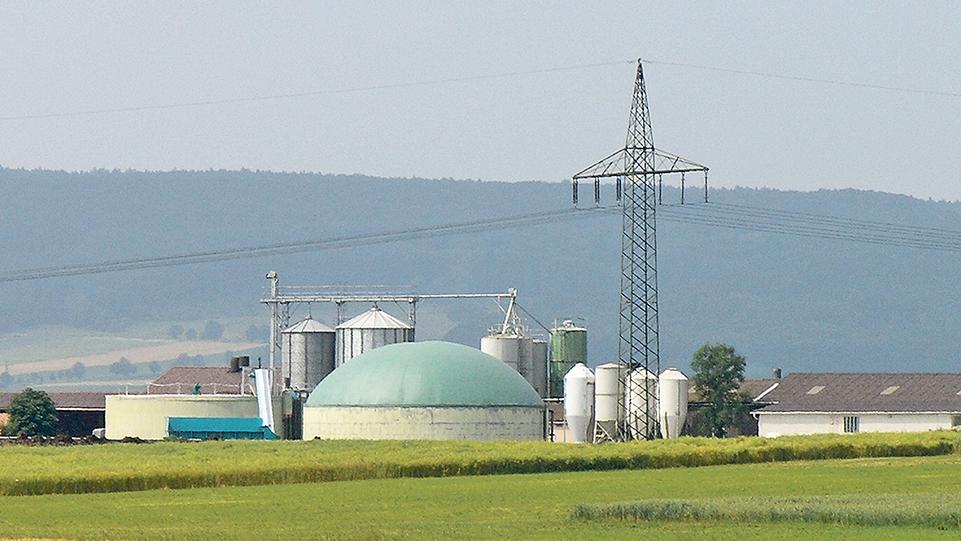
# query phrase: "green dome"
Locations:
[[421, 374]]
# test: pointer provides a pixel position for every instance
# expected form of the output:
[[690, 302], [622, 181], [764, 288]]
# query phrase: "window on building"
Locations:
[[955, 421], [852, 424]]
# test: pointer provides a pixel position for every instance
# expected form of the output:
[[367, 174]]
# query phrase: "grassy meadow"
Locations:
[[173, 465], [497, 507]]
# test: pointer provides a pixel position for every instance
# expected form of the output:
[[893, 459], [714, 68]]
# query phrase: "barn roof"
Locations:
[[867, 392], [66, 401]]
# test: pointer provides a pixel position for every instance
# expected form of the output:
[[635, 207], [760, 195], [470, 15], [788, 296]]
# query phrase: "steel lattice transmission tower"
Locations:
[[637, 171]]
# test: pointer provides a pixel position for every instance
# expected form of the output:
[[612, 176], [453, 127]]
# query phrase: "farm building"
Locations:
[[78, 413], [148, 416], [424, 390], [202, 380], [817, 403]]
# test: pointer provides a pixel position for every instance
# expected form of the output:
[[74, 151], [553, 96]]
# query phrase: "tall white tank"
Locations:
[[608, 391], [641, 403], [579, 401], [307, 354], [539, 368], [370, 330], [672, 403], [514, 350]]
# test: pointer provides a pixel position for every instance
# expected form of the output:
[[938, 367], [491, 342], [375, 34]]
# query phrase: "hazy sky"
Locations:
[[751, 131]]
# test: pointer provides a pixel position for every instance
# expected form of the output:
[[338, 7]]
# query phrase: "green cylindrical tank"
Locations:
[[568, 347]]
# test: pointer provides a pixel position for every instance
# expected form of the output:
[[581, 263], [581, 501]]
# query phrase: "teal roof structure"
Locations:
[[424, 374], [228, 428]]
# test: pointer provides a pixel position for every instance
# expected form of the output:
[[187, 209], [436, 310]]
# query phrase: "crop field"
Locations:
[[131, 467], [531, 506]]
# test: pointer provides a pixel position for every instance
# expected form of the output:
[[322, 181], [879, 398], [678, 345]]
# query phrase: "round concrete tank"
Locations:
[[579, 402], [370, 330], [568, 347], [641, 403], [539, 367], [608, 393], [307, 354], [424, 390], [672, 403]]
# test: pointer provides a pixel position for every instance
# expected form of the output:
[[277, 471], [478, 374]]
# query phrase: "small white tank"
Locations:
[[641, 402], [579, 401], [672, 405], [608, 391]]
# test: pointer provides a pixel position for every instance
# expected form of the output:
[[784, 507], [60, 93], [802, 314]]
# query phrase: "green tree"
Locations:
[[718, 373], [6, 380], [32, 413], [213, 331], [77, 370], [175, 331], [123, 367]]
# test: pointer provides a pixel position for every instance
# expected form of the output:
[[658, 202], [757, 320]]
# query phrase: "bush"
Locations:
[[32, 413]]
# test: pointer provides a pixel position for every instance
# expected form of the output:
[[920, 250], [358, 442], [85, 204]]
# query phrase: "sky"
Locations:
[[543, 124]]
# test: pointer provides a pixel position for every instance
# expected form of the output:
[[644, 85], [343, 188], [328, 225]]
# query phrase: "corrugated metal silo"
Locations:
[[672, 404], [370, 330], [608, 393], [307, 354], [579, 401], [539, 367], [568, 347], [642, 397], [516, 351]]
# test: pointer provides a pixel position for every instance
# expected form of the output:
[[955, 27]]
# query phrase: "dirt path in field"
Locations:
[[145, 354]]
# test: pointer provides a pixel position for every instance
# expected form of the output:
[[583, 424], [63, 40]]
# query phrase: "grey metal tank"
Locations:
[[370, 330], [307, 354]]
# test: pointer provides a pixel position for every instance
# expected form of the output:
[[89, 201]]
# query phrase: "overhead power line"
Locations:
[[384, 237], [836, 82], [310, 93]]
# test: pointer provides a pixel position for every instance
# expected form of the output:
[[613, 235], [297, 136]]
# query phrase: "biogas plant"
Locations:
[[367, 377]]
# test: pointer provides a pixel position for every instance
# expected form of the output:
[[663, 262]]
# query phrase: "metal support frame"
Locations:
[[641, 166], [279, 304]]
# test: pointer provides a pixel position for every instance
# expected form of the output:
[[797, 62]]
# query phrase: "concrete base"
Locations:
[[422, 423]]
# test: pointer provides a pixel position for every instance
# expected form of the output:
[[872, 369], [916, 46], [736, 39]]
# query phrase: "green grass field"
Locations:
[[129, 467], [537, 506]]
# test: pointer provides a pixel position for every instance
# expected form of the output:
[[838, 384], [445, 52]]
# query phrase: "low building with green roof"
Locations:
[[424, 390]]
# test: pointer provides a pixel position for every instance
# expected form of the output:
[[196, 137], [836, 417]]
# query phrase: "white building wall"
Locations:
[[146, 416], [423, 423], [786, 424]]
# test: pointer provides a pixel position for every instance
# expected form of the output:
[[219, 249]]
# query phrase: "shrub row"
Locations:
[[117, 468]]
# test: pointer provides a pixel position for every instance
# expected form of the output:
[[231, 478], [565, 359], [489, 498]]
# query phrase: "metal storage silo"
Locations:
[[641, 402], [608, 394], [568, 347], [514, 350], [372, 329], [579, 402], [539, 367], [672, 404], [307, 354]]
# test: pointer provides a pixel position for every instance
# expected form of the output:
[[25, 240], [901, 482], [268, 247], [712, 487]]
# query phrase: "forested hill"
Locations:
[[797, 303]]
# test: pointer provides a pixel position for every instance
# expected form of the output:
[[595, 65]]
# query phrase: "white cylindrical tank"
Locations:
[[672, 404], [513, 350], [539, 368], [370, 330], [579, 401], [608, 390], [640, 399], [307, 354]]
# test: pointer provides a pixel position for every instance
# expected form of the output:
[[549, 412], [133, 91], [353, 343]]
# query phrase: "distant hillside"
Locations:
[[801, 304]]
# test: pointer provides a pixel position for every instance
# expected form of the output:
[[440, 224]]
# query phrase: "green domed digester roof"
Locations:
[[423, 374]]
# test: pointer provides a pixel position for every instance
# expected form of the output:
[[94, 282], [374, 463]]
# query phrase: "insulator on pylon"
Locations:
[[574, 191], [597, 191], [618, 188]]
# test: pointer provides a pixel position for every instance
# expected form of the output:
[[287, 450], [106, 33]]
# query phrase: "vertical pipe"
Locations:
[[272, 276]]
